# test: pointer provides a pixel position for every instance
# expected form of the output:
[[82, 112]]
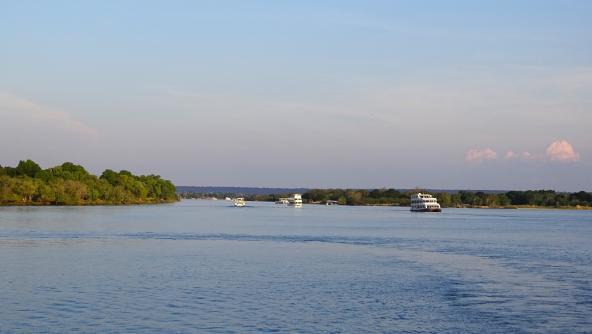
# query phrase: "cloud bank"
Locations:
[[562, 151]]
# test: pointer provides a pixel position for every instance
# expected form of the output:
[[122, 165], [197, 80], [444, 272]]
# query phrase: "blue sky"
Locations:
[[455, 94]]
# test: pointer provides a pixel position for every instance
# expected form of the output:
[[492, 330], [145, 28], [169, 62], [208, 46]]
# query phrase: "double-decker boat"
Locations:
[[424, 203], [295, 201]]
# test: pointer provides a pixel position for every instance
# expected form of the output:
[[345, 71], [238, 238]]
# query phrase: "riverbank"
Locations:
[[510, 207], [28, 184], [101, 203], [448, 198]]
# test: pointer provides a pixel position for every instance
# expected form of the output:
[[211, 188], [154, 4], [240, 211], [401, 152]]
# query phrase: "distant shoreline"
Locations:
[[509, 207], [529, 199]]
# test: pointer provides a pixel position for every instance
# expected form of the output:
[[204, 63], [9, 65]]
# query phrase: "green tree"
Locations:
[[444, 199], [59, 190], [7, 193], [69, 183], [503, 200], [27, 167], [75, 191], [25, 187], [46, 193], [110, 176]]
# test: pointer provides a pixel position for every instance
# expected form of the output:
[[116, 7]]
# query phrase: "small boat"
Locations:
[[295, 201], [239, 202], [283, 200], [424, 203]]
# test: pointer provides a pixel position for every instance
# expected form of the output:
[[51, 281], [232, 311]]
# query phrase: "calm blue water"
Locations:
[[202, 266]]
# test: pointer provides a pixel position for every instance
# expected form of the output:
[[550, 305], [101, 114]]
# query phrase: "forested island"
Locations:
[[71, 184], [468, 199], [509, 199]]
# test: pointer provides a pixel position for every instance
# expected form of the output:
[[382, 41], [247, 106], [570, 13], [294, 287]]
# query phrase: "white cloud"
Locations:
[[476, 155], [562, 151]]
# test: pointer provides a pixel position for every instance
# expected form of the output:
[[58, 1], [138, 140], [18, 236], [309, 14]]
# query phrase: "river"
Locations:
[[206, 267]]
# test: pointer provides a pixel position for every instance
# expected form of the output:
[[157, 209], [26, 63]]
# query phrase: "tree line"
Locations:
[[543, 198], [533, 198], [71, 184]]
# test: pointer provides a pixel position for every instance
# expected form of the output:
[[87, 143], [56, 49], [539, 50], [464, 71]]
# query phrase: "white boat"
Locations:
[[283, 200], [295, 201], [424, 203], [239, 202]]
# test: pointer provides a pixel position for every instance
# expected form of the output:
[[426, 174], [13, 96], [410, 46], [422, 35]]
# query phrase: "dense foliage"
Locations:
[[547, 198], [70, 184]]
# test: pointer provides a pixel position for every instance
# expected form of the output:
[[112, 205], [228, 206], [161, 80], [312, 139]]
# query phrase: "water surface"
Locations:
[[205, 266]]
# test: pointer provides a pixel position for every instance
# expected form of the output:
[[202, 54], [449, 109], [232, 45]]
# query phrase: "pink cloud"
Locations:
[[562, 151], [478, 155]]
